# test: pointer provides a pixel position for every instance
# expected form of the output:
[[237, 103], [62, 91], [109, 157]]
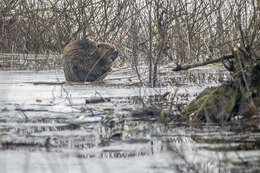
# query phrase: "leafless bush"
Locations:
[[152, 31]]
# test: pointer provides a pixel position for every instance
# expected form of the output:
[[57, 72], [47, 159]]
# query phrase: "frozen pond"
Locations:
[[50, 128]]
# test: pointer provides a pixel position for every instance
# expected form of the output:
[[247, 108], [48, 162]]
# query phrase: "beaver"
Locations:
[[88, 61]]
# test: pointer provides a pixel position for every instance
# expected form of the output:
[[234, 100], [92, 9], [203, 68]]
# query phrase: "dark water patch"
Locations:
[[247, 164]]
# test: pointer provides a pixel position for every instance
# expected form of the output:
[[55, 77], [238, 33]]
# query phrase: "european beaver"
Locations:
[[87, 61]]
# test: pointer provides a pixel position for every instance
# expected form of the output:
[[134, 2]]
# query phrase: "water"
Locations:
[[49, 128]]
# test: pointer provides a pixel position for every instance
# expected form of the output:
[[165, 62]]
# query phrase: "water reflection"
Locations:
[[54, 120]]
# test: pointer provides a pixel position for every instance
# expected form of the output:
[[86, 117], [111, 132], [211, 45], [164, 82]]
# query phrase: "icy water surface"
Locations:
[[49, 128]]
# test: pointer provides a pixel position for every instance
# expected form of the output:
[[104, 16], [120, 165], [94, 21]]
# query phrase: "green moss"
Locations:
[[195, 104], [212, 105]]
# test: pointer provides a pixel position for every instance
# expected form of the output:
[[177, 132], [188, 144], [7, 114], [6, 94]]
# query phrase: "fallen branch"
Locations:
[[63, 82], [47, 83], [97, 100], [186, 67], [95, 83]]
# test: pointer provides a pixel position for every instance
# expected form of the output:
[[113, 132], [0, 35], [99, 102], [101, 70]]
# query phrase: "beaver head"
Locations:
[[107, 52]]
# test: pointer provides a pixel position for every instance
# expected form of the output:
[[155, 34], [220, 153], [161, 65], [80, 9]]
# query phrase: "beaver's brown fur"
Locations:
[[87, 61]]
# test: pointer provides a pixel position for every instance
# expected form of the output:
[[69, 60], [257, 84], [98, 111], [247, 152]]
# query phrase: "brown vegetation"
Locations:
[[151, 31]]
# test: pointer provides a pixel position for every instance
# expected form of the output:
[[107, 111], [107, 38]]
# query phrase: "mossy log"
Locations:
[[213, 101], [240, 96]]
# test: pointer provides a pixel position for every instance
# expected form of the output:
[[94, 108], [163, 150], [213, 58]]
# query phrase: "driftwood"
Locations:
[[95, 83], [64, 82], [97, 100], [186, 67], [47, 83]]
